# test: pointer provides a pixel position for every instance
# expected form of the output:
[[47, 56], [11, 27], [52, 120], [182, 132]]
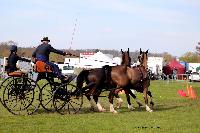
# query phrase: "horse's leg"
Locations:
[[146, 99], [96, 92], [89, 94], [129, 102], [100, 108], [128, 91], [151, 98], [92, 105], [135, 98], [110, 97], [119, 99], [91, 102]]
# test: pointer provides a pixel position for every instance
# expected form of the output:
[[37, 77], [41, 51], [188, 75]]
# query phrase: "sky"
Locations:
[[171, 26]]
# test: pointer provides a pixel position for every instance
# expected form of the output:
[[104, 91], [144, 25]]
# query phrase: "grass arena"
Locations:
[[172, 113]]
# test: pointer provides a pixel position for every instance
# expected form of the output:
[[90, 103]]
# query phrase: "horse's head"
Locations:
[[143, 57], [126, 60]]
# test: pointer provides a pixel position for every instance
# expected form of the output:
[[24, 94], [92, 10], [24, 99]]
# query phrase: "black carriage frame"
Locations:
[[60, 97]]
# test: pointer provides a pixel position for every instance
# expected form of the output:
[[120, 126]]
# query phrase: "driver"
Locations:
[[42, 54]]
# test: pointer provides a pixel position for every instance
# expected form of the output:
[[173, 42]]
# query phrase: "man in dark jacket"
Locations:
[[13, 58], [42, 54]]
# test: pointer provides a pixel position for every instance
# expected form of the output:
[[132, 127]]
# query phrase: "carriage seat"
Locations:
[[16, 74], [41, 67]]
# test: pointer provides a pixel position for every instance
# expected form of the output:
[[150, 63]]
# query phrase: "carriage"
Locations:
[[23, 94]]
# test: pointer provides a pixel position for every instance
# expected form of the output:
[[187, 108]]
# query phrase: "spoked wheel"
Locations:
[[46, 95], [21, 96], [67, 99], [2, 87]]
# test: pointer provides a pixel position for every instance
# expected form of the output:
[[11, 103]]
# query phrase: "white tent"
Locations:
[[97, 61]]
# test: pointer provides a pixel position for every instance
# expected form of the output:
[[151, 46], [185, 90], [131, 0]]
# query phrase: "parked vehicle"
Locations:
[[67, 69], [194, 76]]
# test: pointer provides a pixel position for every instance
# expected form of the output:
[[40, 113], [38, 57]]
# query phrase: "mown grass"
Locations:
[[172, 113]]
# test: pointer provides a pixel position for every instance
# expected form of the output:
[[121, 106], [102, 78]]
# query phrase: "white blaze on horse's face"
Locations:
[[143, 59]]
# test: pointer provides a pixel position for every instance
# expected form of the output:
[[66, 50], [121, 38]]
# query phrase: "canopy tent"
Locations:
[[174, 64]]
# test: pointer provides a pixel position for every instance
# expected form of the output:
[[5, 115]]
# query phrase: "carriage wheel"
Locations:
[[21, 96], [67, 99], [2, 87], [46, 95]]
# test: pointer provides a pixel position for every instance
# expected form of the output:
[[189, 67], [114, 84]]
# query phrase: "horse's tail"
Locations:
[[81, 78]]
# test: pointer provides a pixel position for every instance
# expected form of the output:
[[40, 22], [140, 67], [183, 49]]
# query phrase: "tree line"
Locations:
[[27, 52]]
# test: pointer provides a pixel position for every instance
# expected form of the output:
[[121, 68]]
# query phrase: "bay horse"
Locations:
[[126, 60], [143, 61], [98, 78], [136, 77], [119, 77], [95, 80]]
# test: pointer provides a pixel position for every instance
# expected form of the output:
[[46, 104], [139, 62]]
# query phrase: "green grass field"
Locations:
[[172, 113]]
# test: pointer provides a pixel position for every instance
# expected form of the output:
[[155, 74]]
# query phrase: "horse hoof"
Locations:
[[102, 110], [132, 109], [114, 112], [150, 110]]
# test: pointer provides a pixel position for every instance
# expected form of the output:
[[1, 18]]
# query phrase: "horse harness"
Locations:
[[106, 77], [142, 75]]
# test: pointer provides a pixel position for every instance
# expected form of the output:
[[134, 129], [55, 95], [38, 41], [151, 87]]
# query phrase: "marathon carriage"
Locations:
[[22, 95], [56, 94]]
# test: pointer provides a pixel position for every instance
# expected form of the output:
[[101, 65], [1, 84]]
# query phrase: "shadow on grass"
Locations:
[[166, 107], [84, 110], [156, 108]]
